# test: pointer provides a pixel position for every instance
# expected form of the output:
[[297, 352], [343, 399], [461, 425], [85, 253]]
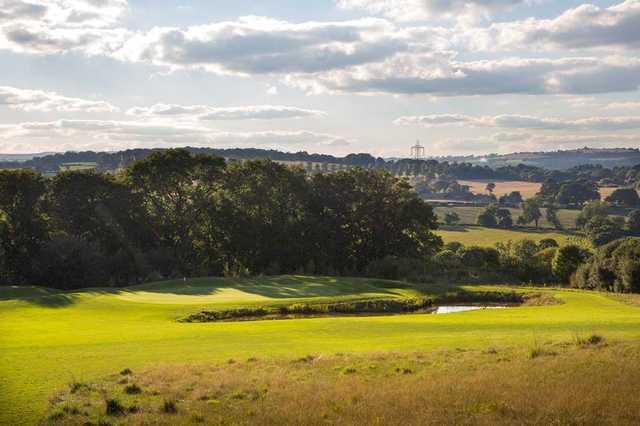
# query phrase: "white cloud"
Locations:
[[113, 135], [586, 26], [210, 113], [413, 10], [630, 105], [524, 122], [259, 45], [433, 75], [39, 100], [57, 26], [63, 13]]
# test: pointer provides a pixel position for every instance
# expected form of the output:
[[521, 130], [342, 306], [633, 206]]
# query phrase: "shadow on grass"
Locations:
[[39, 296], [278, 287]]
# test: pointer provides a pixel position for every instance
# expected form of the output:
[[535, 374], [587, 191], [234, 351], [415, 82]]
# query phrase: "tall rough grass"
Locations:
[[496, 386]]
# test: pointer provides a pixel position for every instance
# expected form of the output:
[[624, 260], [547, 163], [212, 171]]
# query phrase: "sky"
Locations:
[[326, 76]]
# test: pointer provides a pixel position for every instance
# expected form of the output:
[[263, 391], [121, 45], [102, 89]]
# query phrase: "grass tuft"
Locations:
[[132, 389], [126, 372], [113, 407], [75, 387], [169, 407], [592, 340], [348, 370]]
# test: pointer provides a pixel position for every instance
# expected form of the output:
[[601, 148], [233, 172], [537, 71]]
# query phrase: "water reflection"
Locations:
[[459, 308]]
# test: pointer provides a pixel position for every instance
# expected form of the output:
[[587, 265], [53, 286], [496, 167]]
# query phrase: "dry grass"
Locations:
[[564, 383]]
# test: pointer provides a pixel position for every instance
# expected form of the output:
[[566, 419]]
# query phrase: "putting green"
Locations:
[[48, 338]]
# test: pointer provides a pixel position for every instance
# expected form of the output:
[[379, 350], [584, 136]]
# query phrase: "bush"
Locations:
[[451, 218], [614, 267], [132, 389], [479, 257], [114, 408], [453, 246], [169, 407], [520, 260], [447, 260], [547, 243], [602, 230], [567, 260], [633, 222]]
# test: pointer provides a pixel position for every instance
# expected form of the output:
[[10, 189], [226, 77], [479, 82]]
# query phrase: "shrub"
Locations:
[[448, 260], [602, 230], [567, 260], [547, 243], [114, 408], [592, 340], [169, 407], [633, 222], [451, 218], [453, 246], [132, 389], [614, 267]]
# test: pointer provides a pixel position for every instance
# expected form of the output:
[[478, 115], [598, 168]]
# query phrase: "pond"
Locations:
[[461, 308]]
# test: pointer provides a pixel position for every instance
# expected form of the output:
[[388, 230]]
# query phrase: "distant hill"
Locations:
[[557, 160], [611, 167], [22, 157]]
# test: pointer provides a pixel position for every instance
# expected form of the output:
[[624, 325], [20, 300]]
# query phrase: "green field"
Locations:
[[488, 237], [469, 216], [49, 339]]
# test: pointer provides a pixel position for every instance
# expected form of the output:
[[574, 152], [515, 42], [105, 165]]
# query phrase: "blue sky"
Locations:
[[331, 76]]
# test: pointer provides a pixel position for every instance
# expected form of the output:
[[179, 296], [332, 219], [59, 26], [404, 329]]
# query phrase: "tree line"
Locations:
[[176, 213], [429, 168]]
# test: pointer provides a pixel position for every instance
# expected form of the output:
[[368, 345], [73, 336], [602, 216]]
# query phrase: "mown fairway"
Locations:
[[487, 237], [50, 339]]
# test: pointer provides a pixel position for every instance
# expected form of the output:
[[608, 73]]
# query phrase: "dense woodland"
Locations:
[[181, 214], [177, 214]]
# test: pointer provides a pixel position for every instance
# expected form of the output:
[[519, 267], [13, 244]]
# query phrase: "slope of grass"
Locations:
[[488, 237], [48, 341]]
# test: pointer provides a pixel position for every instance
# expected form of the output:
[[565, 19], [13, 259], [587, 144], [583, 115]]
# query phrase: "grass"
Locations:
[[469, 216], [49, 339], [450, 386], [488, 237]]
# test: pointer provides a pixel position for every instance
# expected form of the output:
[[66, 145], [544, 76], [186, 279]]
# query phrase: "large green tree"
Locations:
[[577, 193], [530, 212], [23, 228], [624, 197], [361, 216], [263, 210], [176, 190]]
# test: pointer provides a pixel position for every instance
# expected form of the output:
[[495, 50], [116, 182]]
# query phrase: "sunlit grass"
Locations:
[[49, 339]]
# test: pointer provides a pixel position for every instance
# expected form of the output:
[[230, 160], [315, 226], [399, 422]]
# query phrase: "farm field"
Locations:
[[527, 189], [488, 237], [469, 216], [102, 331]]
